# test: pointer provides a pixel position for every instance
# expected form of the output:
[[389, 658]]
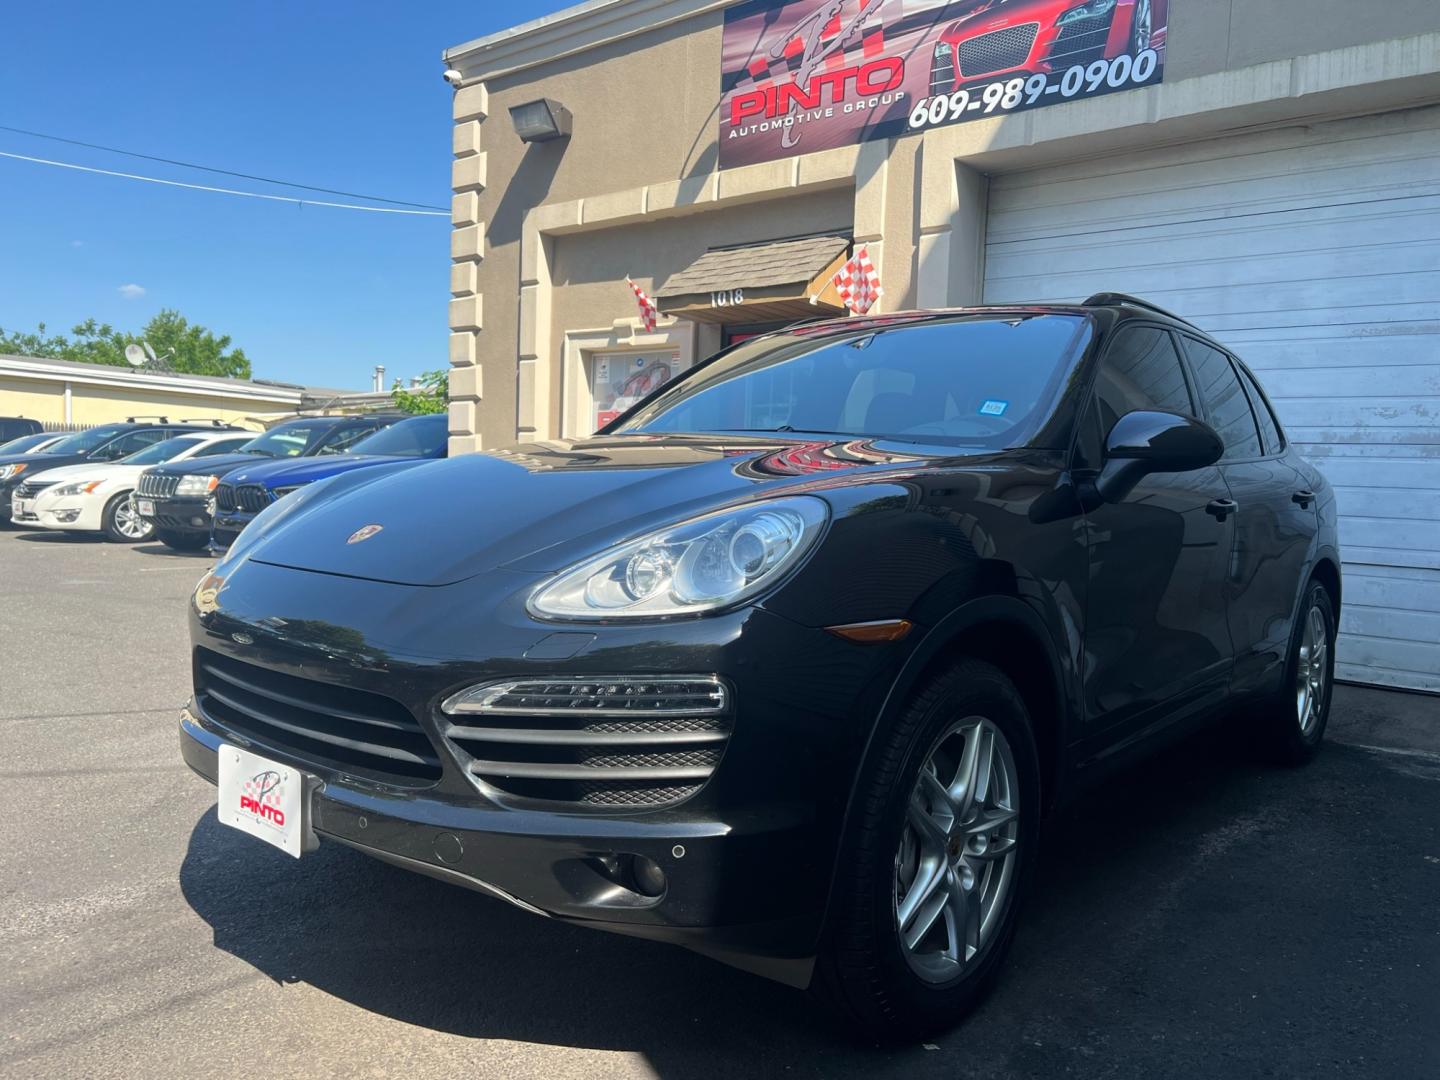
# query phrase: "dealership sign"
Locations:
[[799, 76]]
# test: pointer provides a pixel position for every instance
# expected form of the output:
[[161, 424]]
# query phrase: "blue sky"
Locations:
[[340, 95]]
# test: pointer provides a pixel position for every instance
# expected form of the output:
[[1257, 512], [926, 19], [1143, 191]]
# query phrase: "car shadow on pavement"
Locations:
[[155, 548], [59, 536], [1161, 939]]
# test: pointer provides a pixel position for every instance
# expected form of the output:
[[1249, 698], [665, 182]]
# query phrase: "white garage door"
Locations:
[[1313, 252]]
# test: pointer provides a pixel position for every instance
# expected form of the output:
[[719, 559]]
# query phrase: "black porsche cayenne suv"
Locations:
[[788, 663]]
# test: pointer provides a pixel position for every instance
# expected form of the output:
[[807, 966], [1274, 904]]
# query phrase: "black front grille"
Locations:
[[1081, 41], [998, 50], [157, 487], [247, 498], [333, 727], [615, 742], [30, 488]]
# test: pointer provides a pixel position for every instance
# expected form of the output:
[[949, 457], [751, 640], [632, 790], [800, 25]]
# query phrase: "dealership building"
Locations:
[[1268, 169]]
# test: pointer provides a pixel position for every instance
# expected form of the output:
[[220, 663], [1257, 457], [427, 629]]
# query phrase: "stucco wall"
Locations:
[[644, 142]]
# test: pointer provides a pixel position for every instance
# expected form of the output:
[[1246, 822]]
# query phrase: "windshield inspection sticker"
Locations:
[[994, 408]]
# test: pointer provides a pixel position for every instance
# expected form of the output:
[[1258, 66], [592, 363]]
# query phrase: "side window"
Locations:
[[126, 445], [224, 446], [1139, 371], [1269, 426], [1225, 400], [342, 438]]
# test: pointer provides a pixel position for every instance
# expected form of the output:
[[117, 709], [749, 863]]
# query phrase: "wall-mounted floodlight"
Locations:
[[541, 121]]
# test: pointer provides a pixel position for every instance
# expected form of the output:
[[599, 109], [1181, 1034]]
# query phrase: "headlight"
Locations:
[[81, 488], [942, 50], [281, 492], [1092, 9], [9, 471], [696, 566], [196, 485]]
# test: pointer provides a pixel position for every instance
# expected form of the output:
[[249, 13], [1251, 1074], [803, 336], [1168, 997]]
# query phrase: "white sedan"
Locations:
[[97, 497]]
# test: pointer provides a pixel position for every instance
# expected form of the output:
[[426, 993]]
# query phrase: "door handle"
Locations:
[[1220, 509], [1304, 498]]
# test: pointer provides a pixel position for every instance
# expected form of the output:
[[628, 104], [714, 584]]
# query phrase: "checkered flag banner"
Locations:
[[857, 282], [648, 312]]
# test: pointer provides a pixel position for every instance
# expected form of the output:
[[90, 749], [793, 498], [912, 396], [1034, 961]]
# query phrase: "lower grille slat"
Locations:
[[523, 770], [332, 727], [324, 736], [326, 710]]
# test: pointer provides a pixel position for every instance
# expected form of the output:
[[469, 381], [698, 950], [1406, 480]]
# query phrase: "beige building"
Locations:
[[61, 393], [1279, 185]]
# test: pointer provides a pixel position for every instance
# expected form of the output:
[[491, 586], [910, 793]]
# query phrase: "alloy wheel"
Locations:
[[955, 866], [129, 524], [1312, 671]]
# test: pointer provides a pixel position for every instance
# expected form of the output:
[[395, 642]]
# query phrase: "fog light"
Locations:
[[66, 516], [198, 522], [649, 878]]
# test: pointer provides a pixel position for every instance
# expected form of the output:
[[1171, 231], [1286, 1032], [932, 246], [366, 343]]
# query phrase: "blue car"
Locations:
[[245, 492]]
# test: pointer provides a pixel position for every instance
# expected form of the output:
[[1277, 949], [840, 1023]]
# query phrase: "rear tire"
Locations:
[[1292, 723], [121, 524], [880, 966], [183, 541]]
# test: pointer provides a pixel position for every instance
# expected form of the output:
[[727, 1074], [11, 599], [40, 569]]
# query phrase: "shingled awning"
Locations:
[[758, 282]]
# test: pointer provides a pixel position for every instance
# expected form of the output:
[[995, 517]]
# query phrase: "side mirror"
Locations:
[[1145, 442]]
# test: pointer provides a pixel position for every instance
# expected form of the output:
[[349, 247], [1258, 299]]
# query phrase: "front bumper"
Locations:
[[748, 858], [180, 514], [66, 513], [555, 864], [228, 526]]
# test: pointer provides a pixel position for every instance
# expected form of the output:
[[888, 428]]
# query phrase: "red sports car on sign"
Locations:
[[1015, 37]]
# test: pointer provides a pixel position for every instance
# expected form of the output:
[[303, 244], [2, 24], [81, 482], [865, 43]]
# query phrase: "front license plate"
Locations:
[[263, 798], [19, 508], [145, 507]]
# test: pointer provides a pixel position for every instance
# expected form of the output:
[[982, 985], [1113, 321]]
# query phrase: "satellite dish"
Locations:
[[135, 355], [150, 352]]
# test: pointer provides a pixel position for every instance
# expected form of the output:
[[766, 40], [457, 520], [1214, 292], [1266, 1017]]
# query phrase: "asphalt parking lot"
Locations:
[[1201, 917]]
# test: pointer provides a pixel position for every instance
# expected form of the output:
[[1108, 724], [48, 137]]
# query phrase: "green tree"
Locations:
[[431, 396], [186, 348]]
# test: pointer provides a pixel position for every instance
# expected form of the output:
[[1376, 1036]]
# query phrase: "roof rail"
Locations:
[[136, 419], [213, 421], [1114, 299]]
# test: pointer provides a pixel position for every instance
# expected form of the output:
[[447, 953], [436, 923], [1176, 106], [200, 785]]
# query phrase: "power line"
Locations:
[[207, 168], [227, 191]]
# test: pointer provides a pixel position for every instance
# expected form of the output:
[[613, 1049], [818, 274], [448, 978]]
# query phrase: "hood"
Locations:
[[540, 507], [218, 465], [997, 14], [35, 464], [70, 473], [292, 472]]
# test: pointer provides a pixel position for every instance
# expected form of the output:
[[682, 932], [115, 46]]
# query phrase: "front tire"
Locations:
[[937, 857], [121, 524], [183, 541]]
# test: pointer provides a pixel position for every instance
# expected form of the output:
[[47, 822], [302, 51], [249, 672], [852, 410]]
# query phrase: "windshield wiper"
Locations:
[[782, 429]]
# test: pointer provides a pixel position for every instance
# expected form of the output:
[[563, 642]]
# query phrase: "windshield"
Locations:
[[420, 436], [25, 443], [988, 380], [160, 451], [85, 441], [288, 440]]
